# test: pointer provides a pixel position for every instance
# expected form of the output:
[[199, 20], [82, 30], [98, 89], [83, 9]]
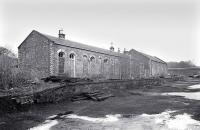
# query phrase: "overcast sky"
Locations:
[[168, 29]]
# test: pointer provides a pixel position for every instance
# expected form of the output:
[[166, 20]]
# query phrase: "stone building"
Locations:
[[47, 55], [143, 65]]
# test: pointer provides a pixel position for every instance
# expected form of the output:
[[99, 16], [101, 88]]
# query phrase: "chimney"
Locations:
[[112, 48], [118, 50], [61, 35], [124, 50]]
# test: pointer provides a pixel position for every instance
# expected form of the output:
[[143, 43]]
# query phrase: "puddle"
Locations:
[[2, 123], [188, 95], [167, 121], [164, 121], [46, 125], [108, 118], [197, 86]]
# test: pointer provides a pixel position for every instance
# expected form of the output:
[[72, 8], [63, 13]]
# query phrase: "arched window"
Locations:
[[92, 59], [61, 62], [100, 59], [72, 63], [85, 66], [72, 56], [61, 54], [84, 56], [105, 60]]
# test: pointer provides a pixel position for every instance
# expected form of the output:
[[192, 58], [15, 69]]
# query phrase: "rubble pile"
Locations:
[[64, 79], [94, 96]]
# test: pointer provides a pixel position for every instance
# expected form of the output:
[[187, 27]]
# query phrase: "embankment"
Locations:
[[66, 91]]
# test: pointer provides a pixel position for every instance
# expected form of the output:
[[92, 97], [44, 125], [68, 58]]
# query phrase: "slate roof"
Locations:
[[154, 58], [82, 46]]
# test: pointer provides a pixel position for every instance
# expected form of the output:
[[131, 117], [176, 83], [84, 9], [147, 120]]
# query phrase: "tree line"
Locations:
[[10, 75], [181, 64]]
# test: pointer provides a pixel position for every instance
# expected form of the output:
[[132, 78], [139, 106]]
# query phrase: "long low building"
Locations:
[[189, 71], [143, 65], [47, 55]]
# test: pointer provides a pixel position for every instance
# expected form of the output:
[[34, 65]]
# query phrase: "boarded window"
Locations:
[[61, 63], [72, 65], [85, 66], [93, 70]]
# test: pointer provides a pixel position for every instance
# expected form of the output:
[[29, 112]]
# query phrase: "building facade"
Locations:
[[144, 66], [46, 55]]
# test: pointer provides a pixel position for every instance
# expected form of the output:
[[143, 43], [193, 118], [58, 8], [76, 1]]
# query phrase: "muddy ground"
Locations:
[[127, 102]]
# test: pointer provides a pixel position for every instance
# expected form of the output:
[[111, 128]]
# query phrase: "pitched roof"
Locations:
[[78, 45], [154, 58], [160, 60]]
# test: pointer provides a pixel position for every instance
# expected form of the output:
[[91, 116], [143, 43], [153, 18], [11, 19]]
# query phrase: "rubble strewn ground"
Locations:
[[134, 103]]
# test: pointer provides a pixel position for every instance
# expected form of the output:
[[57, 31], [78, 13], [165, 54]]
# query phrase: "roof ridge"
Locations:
[[150, 56], [72, 41], [79, 45]]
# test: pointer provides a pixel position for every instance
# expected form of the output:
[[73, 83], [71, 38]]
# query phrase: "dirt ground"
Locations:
[[127, 102]]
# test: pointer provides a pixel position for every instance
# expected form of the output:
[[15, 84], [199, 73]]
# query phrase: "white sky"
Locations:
[[169, 29]]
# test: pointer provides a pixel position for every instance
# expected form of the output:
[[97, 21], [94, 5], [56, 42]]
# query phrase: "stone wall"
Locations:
[[34, 55], [158, 69], [140, 67], [67, 91], [143, 66], [89, 64]]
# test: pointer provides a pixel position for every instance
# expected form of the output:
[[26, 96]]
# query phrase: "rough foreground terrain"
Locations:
[[151, 108]]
